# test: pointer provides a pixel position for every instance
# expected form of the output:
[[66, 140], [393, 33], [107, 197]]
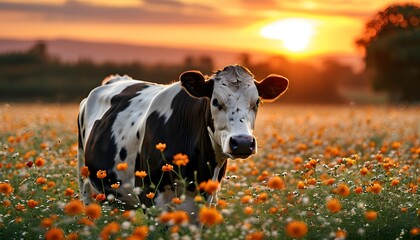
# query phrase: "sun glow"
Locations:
[[295, 33]]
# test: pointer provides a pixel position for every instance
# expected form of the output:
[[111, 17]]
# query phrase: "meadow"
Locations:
[[322, 172]]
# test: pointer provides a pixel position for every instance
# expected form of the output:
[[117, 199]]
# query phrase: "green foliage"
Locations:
[[392, 44]]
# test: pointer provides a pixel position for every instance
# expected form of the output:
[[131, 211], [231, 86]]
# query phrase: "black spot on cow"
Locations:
[[138, 135], [184, 131], [123, 154], [101, 148]]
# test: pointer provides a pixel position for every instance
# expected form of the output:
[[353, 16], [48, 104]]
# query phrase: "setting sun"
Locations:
[[293, 32]]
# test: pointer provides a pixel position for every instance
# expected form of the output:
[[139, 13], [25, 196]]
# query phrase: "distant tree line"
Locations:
[[34, 75]]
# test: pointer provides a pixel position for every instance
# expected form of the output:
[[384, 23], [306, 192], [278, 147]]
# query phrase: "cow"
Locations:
[[208, 118]]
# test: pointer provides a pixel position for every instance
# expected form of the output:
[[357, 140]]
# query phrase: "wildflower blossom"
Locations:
[[74, 207], [122, 166], [180, 159], [276, 183], [375, 188], [41, 180], [93, 210], [100, 197], [211, 186], [296, 229], [32, 203], [150, 195], [84, 171], [140, 233], [371, 215], [209, 216], [167, 168], [69, 192], [39, 162], [258, 235], [6, 188], [141, 174], [115, 185], [161, 146], [54, 234], [333, 205], [342, 190], [101, 174]]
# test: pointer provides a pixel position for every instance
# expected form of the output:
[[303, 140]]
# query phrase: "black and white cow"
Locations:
[[208, 119]]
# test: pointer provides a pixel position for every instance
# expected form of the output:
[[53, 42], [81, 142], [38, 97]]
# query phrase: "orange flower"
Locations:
[[258, 235], [161, 146], [333, 205], [46, 222], [297, 160], [115, 185], [54, 234], [141, 174], [211, 186], [371, 215], [111, 228], [141, 232], [100, 197], [84, 171], [395, 182], [39, 162], [150, 195], [342, 190], [180, 159], [364, 171], [296, 229], [375, 188], [358, 190], [329, 181], [248, 210], [176, 200], [301, 185], [167, 168], [415, 231], [209, 216], [32, 203], [101, 174], [246, 199], [72, 236], [180, 217], [122, 166], [74, 207], [93, 210], [340, 234], [69, 192], [41, 180], [6, 188], [165, 217], [275, 183]]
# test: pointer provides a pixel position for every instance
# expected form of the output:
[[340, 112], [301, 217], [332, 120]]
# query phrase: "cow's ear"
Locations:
[[196, 85], [272, 87]]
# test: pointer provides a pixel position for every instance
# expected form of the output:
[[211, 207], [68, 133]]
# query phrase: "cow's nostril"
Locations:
[[234, 145], [252, 146]]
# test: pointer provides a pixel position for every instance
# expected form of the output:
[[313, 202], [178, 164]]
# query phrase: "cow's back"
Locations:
[[108, 121]]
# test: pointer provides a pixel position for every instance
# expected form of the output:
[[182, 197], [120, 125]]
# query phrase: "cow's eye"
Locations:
[[216, 103], [257, 104]]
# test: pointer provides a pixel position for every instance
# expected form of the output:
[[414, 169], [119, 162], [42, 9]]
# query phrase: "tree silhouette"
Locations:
[[392, 51]]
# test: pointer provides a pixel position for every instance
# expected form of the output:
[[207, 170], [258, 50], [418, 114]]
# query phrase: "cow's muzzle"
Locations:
[[242, 146]]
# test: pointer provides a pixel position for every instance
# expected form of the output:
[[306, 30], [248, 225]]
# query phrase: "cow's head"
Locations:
[[234, 99]]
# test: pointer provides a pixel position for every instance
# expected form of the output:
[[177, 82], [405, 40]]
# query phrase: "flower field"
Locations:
[[322, 172]]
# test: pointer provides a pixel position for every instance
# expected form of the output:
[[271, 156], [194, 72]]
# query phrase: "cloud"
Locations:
[[151, 12]]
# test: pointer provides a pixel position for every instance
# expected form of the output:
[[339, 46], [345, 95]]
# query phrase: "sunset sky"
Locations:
[[295, 28]]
